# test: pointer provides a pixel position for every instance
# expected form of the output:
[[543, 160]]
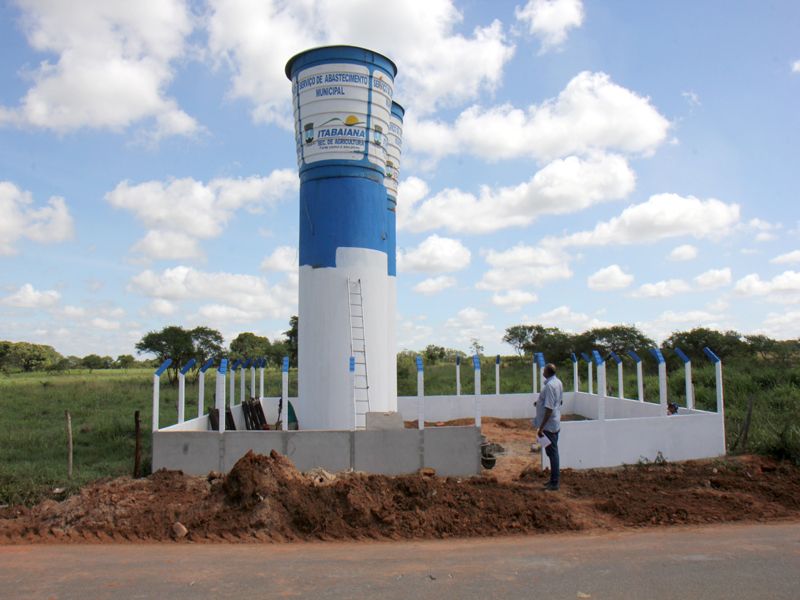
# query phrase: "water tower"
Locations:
[[345, 136]]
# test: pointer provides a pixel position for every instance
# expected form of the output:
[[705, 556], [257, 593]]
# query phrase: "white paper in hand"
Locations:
[[543, 440]]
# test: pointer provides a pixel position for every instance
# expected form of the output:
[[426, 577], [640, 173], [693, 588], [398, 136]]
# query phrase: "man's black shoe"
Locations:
[[551, 488]]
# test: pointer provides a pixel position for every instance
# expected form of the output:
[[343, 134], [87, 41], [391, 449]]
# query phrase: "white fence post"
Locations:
[[575, 378], [420, 394], [497, 376], [156, 390], [182, 390], [618, 360], [242, 375], [285, 394], [261, 364], [541, 371], [687, 369], [601, 385], [535, 370], [639, 380], [220, 404], [253, 378], [201, 387], [720, 397], [662, 380], [590, 375], [476, 364], [232, 370], [458, 375]]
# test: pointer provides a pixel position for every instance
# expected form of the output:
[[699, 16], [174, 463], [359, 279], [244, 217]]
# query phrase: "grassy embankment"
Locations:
[[102, 405]]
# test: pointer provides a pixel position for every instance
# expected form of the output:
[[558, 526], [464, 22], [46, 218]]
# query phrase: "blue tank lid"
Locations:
[[328, 54]]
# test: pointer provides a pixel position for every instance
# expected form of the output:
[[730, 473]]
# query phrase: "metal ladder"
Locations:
[[358, 350]]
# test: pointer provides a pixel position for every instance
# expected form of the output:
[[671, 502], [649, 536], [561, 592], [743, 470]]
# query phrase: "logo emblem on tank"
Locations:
[[377, 135], [308, 131]]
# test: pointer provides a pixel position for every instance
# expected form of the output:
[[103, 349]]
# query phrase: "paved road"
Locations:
[[727, 562]]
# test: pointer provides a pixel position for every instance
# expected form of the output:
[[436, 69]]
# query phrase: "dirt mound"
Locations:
[[264, 498]]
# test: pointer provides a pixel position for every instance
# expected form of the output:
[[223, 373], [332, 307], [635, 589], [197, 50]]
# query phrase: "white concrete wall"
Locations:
[[586, 405], [325, 398], [614, 442], [448, 408]]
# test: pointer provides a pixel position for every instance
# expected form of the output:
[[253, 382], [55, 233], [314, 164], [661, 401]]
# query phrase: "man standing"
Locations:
[[548, 420]]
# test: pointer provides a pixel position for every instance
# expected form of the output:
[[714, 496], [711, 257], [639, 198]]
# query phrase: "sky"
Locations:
[[570, 163]]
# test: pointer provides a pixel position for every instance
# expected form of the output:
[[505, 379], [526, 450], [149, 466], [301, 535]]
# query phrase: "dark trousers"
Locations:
[[552, 454]]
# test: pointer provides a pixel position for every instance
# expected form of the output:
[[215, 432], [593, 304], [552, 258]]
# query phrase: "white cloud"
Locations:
[[73, 312], [468, 324], [105, 324], [513, 300], [565, 318], [21, 219], [114, 61], [413, 335], [662, 289], [765, 231], [609, 278], [796, 66], [255, 38], [683, 252], [230, 295], [434, 285], [788, 258], [713, 278], [434, 255], [783, 325], [551, 20], [691, 97], [563, 186], [524, 266], [591, 114], [283, 259], [29, 297], [662, 216], [781, 288], [163, 307], [179, 212], [668, 321]]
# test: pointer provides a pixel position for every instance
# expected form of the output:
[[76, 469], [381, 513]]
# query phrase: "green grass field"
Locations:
[[102, 404]]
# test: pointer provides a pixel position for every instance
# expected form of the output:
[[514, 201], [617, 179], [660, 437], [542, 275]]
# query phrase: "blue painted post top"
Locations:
[[710, 354], [634, 356], [285, 365], [586, 357], [160, 370], [188, 366], [207, 365], [235, 364], [458, 359], [352, 364], [247, 363], [657, 355], [597, 358], [614, 357], [223, 366], [476, 362], [682, 355], [419, 364], [540, 360], [573, 357], [497, 360]]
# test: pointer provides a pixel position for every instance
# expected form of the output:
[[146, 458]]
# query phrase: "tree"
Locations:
[[250, 345], [125, 361], [433, 354], [93, 361], [31, 357], [207, 343], [725, 344], [171, 342], [617, 338], [476, 347], [519, 337], [291, 339], [5, 356]]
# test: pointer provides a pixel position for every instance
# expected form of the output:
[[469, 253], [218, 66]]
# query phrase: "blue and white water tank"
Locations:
[[345, 134]]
